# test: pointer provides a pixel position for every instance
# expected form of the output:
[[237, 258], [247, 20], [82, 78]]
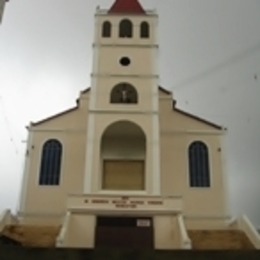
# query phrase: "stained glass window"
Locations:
[[199, 165], [50, 163]]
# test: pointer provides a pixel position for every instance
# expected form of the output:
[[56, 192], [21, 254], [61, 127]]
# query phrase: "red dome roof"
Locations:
[[127, 7]]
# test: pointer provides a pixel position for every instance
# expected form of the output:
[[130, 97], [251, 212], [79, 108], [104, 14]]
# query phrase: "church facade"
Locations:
[[125, 165]]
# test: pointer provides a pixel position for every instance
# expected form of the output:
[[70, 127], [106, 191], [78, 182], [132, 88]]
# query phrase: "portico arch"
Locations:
[[123, 155]]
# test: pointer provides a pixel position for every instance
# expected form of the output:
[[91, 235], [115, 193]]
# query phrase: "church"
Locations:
[[126, 167]]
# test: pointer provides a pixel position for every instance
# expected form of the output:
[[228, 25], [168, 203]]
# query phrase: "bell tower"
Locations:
[[123, 123]]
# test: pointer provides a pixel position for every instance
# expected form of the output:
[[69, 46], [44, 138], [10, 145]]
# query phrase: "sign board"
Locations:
[[143, 223], [124, 203]]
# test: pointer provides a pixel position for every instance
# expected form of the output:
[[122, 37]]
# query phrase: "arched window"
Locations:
[[50, 163], [106, 29], [199, 165], [145, 30], [124, 93], [125, 29]]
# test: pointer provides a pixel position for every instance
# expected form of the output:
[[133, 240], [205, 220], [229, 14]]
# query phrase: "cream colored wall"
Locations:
[[41, 219], [138, 66], [120, 148], [177, 133], [70, 130], [166, 234], [81, 231], [204, 223]]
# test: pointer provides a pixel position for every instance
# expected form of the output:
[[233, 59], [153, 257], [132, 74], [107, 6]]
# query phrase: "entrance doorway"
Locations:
[[124, 232]]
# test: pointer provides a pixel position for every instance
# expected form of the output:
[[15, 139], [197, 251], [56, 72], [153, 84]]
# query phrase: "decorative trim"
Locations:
[[91, 128], [156, 182], [98, 45], [40, 214], [89, 154], [184, 236], [62, 130], [126, 212], [104, 12], [62, 234], [191, 132], [120, 195], [165, 98], [164, 90], [97, 75], [209, 217], [100, 111], [224, 172]]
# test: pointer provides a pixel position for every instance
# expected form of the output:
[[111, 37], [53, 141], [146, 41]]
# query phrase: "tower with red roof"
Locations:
[[125, 83], [127, 7]]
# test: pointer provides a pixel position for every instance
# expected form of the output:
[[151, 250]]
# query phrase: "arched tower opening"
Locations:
[[123, 155], [124, 93]]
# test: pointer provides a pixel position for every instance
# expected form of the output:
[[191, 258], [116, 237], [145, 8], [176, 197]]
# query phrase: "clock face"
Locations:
[[124, 93]]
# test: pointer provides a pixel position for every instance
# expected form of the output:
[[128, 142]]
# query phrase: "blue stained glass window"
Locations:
[[199, 165], [51, 163]]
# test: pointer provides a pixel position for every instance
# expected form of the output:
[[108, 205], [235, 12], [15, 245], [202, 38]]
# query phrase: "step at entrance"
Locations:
[[219, 240], [124, 232], [32, 236]]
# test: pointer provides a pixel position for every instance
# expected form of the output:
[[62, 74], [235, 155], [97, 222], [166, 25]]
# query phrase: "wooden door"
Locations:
[[119, 232]]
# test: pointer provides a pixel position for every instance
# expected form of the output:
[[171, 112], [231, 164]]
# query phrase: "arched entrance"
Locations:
[[123, 156]]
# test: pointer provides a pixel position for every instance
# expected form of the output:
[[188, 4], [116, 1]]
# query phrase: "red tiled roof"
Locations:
[[127, 7]]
